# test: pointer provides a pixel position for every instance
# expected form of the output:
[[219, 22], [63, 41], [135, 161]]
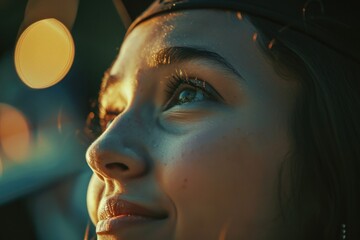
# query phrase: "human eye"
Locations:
[[183, 90]]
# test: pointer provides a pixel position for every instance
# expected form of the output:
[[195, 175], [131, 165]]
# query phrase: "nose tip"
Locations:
[[115, 161]]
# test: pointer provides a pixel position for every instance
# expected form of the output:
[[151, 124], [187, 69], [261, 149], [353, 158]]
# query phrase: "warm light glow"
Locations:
[[239, 16], [15, 136], [87, 230], [271, 43], [44, 53], [224, 230], [255, 35], [59, 121]]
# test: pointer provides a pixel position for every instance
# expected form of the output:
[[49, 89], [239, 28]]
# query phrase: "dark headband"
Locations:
[[332, 22]]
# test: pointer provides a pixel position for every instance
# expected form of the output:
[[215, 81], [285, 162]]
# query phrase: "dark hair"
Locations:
[[324, 163]]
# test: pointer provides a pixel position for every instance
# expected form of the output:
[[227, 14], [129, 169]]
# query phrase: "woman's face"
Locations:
[[200, 133]]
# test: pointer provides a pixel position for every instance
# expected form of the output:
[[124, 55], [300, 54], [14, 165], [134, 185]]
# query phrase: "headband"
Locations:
[[331, 22]]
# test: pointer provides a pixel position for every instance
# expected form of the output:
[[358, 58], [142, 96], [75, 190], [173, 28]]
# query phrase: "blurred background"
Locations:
[[43, 173]]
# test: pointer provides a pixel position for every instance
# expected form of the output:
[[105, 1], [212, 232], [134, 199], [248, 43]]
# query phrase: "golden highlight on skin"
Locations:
[[207, 138], [159, 58], [112, 98]]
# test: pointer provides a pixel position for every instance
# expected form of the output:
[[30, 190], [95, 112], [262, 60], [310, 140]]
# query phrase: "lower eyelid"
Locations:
[[179, 114]]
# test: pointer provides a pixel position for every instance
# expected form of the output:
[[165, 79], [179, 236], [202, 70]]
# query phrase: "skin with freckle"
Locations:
[[211, 165]]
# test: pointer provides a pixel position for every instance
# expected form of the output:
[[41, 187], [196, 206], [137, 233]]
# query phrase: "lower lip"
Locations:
[[120, 222]]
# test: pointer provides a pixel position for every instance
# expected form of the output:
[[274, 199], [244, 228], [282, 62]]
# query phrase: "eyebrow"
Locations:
[[173, 55], [177, 55]]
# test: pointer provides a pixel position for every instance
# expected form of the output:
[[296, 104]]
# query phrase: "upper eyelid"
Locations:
[[205, 86], [193, 82]]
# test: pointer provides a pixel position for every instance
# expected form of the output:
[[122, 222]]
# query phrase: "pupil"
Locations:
[[187, 96]]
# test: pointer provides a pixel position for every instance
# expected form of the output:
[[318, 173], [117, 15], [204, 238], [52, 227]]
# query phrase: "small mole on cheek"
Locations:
[[184, 183]]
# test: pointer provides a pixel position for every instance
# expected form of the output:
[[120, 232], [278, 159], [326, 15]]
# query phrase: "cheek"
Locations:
[[94, 194], [210, 158], [218, 171]]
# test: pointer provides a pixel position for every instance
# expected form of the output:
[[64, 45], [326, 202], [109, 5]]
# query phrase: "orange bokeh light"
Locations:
[[15, 136], [44, 53]]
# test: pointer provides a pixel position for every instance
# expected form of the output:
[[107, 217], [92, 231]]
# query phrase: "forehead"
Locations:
[[215, 30], [221, 32]]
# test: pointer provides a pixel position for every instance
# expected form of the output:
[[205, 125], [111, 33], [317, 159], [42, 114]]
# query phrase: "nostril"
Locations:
[[117, 165]]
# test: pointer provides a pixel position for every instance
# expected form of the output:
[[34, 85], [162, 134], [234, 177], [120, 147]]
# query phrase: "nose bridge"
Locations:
[[134, 124], [121, 151]]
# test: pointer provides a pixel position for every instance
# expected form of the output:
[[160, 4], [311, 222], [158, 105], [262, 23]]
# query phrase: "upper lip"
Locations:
[[114, 206]]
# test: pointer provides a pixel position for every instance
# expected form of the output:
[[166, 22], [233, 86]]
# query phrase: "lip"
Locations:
[[115, 213]]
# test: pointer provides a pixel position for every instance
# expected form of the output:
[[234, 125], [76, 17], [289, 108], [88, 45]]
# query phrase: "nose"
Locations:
[[120, 152]]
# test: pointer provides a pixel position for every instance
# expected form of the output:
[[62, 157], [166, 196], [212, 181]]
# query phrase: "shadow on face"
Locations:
[[195, 126]]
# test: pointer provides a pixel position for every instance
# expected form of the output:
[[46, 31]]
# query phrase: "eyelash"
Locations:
[[179, 80]]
